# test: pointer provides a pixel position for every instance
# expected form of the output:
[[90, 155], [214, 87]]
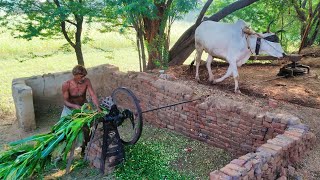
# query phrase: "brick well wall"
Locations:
[[265, 141]]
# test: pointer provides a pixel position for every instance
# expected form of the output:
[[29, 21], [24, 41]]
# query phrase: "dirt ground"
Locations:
[[260, 86]]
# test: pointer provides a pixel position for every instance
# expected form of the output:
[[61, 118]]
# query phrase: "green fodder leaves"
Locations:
[[24, 157]]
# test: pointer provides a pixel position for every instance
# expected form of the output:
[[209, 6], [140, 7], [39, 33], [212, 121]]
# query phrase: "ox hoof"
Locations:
[[211, 80], [237, 91]]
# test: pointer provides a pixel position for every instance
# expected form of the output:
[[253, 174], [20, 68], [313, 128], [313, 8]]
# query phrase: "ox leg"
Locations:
[[198, 58], [209, 61], [228, 73], [232, 69], [235, 75]]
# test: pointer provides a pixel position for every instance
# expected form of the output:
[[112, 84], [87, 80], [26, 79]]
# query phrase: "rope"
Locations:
[[272, 46]]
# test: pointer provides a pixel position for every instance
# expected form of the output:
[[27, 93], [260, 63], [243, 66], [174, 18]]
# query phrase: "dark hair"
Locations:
[[79, 69]]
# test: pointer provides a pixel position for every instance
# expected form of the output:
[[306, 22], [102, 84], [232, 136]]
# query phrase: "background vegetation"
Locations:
[[23, 58]]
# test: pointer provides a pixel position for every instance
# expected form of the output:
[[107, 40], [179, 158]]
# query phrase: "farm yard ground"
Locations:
[[261, 87]]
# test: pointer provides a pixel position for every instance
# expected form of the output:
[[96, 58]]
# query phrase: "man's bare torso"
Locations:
[[77, 91]]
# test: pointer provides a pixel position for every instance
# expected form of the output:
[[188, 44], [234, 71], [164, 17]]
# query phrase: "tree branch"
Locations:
[[300, 12], [71, 22], [203, 11], [63, 27]]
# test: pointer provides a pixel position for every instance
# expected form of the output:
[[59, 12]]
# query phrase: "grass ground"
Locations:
[[159, 154], [22, 58]]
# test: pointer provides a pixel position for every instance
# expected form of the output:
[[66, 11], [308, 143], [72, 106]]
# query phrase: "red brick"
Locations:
[[279, 131], [231, 172], [239, 162], [258, 137], [293, 133], [266, 124], [241, 170], [218, 175]]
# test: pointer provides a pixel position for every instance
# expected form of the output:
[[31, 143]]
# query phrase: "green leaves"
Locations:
[[43, 19], [24, 157]]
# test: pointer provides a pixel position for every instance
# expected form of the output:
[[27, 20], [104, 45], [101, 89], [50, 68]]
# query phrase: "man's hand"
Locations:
[[76, 106]]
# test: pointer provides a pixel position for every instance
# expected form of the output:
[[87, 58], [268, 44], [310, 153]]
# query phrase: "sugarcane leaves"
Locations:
[[24, 157], [63, 120], [12, 154], [38, 138], [72, 132], [52, 145], [58, 150]]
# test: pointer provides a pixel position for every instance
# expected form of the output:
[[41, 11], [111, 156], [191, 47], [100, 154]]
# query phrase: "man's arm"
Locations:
[[65, 93], [93, 95]]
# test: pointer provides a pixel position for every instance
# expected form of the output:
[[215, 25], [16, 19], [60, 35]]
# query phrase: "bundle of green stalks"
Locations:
[[22, 158]]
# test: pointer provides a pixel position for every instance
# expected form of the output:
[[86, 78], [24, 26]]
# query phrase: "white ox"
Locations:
[[233, 43]]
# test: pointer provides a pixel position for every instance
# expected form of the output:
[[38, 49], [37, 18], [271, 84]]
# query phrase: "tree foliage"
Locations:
[[50, 19], [151, 20], [286, 16]]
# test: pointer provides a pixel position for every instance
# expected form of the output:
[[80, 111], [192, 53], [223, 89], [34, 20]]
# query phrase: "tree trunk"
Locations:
[[79, 54], [141, 44], [152, 29], [77, 44], [315, 34], [78, 48], [185, 44]]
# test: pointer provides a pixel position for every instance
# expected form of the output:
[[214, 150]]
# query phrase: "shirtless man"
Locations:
[[74, 91], [74, 96]]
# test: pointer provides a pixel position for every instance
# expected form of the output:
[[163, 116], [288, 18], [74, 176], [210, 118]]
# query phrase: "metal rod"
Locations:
[[183, 102]]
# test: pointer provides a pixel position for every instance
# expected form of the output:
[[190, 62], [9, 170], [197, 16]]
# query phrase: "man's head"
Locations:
[[79, 72]]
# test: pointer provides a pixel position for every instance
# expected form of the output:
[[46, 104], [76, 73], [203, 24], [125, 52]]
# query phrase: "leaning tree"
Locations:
[[50, 19], [185, 44]]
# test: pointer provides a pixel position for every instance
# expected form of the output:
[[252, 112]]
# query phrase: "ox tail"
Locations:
[[192, 63]]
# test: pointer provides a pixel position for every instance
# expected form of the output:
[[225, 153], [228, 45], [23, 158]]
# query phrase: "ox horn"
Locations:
[[268, 28], [280, 31], [249, 31]]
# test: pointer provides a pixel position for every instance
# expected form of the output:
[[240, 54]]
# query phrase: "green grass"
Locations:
[[117, 49], [159, 154]]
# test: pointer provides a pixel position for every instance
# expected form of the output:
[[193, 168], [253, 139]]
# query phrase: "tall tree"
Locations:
[[185, 44], [152, 20], [50, 18], [308, 13]]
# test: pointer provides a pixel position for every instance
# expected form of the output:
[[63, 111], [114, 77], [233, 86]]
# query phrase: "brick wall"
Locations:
[[266, 142], [272, 141]]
